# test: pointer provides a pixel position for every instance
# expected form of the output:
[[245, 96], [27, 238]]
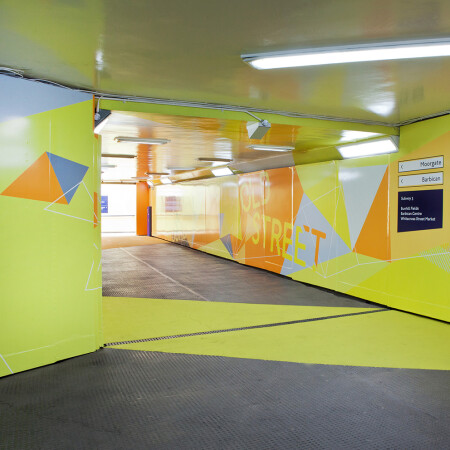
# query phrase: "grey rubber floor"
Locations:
[[121, 399], [195, 275]]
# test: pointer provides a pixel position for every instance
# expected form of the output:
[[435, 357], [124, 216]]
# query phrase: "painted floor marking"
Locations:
[[252, 327]]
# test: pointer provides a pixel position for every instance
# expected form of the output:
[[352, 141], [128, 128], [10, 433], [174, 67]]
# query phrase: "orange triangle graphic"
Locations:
[[38, 182], [95, 209], [374, 239]]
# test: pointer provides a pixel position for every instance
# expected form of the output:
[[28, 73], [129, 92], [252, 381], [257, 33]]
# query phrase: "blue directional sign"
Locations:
[[104, 204]]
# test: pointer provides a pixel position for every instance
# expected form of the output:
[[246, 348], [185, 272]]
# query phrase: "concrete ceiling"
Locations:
[[190, 51]]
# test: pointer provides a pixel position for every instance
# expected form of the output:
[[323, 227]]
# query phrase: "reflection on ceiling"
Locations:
[[195, 145], [191, 51]]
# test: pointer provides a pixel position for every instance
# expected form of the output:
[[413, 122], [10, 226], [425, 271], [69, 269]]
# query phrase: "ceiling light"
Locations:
[[118, 182], [181, 168], [225, 160], [351, 53], [165, 180], [222, 171], [272, 148], [100, 119], [122, 180], [109, 166], [157, 173], [369, 148], [139, 178], [136, 140], [117, 155]]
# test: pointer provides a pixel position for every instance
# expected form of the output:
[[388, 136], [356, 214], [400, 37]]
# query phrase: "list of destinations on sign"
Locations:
[[420, 210]]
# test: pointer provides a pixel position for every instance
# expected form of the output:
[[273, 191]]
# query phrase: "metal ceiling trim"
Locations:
[[422, 118], [247, 109], [17, 73], [236, 108]]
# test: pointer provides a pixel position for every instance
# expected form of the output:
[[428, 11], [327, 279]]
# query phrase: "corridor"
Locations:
[[203, 353]]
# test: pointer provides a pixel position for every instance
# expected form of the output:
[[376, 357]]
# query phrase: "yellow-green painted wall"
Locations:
[[50, 264]]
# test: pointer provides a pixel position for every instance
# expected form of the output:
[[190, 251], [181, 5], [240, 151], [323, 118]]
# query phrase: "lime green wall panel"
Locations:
[[50, 265]]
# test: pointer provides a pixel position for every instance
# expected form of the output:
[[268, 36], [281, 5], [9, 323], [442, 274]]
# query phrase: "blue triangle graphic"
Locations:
[[331, 247], [69, 173], [226, 240]]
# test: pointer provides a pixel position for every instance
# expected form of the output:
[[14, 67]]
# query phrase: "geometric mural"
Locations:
[[46, 324], [360, 187], [315, 239], [439, 256], [374, 237], [69, 174], [330, 224], [50, 178], [226, 240], [34, 98]]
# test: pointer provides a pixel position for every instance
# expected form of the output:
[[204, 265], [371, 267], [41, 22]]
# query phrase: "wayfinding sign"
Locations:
[[436, 162], [104, 204], [419, 210], [423, 179]]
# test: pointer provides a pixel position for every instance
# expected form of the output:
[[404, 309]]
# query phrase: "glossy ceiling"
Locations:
[[197, 137], [190, 50]]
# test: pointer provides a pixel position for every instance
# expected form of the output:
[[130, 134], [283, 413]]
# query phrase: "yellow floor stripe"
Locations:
[[385, 339], [388, 339], [128, 319]]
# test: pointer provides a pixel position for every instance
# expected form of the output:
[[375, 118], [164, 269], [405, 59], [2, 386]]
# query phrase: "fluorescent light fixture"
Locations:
[[352, 53], [369, 148], [224, 160], [100, 119], [109, 166], [118, 182], [222, 171], [272, 148], [157, 173], [165, 180], [135, 140], [117, 155], [181, 168], [139, 178], [98, 128]]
